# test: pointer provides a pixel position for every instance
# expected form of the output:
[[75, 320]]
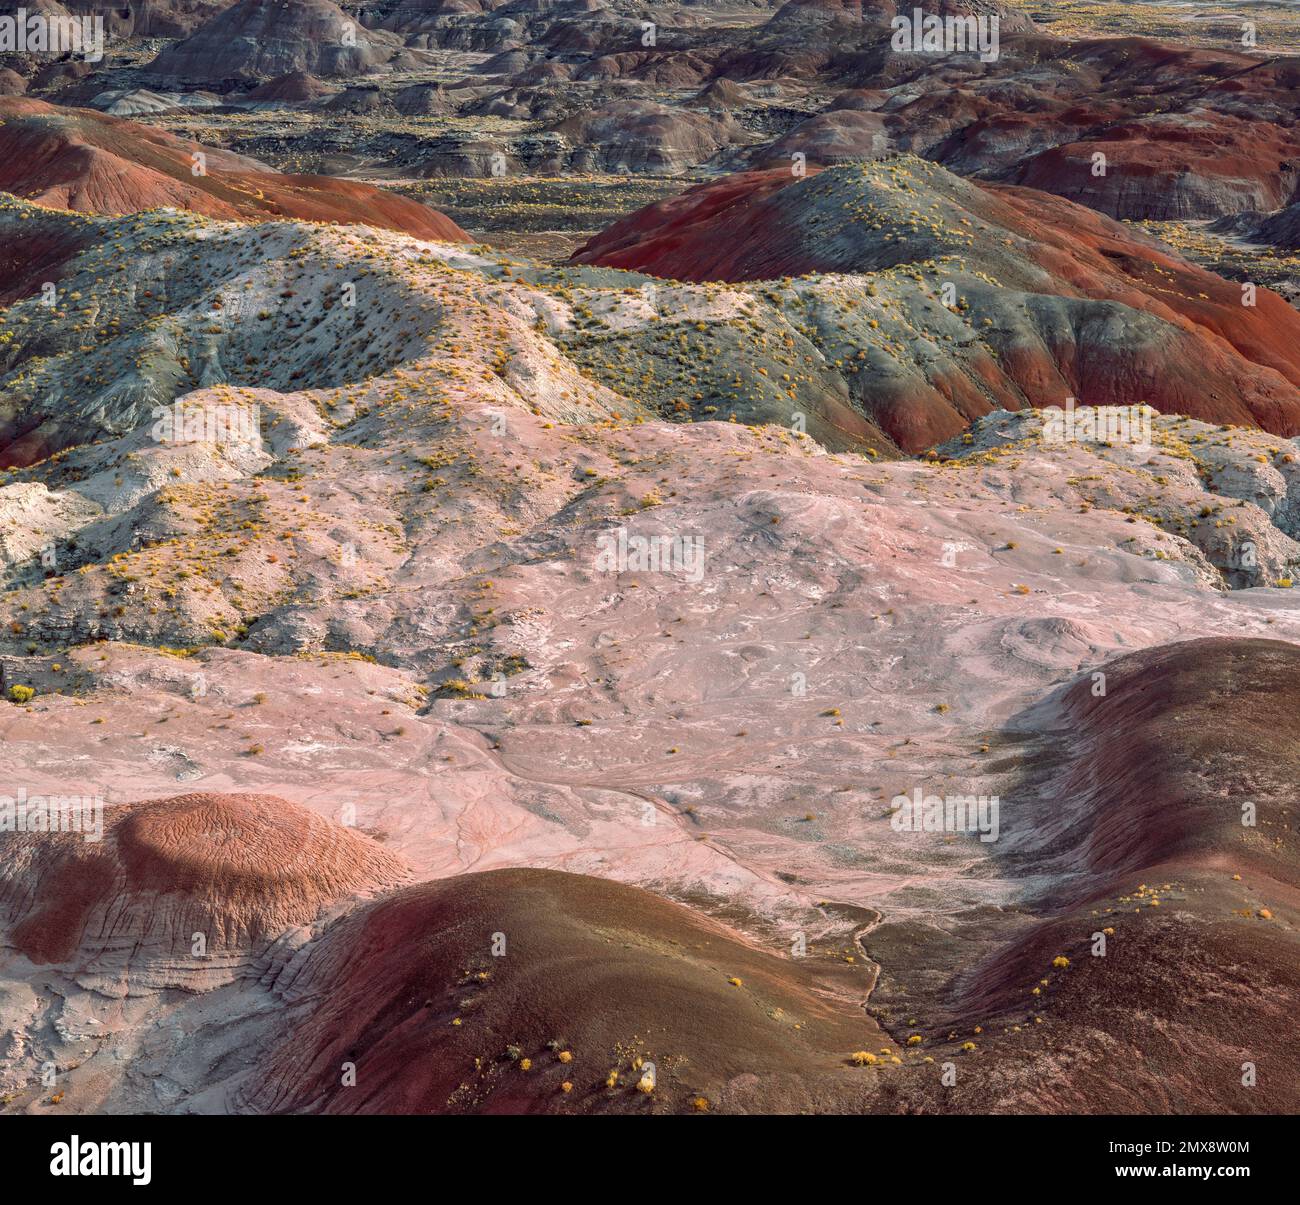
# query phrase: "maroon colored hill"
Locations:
[[1137, 838], [593, 976]]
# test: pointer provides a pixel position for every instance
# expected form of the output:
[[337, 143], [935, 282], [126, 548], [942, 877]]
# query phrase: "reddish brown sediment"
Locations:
[[602, 603], [409, 991], [238, 869], [292, 87], [93, 163], [1217, 360], [1157, 957]]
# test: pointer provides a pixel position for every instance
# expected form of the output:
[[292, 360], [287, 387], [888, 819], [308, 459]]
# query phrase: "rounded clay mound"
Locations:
[[1160, 953], [408, 990], [254, 848], [238, 869]]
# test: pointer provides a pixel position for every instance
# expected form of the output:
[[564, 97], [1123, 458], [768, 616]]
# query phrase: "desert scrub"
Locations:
[[458, 688], [21, 694]]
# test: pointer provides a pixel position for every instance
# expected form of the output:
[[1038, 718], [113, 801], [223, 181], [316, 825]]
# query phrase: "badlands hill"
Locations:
[[122, 913], [293, 87], [263, 39], [973, 302], [324, 554], [1050, 298], [648, 733], [600, 992], [93, 163], [1132, 127], [1135, 127], [1281, 229], [1173, 845], [141, 19]]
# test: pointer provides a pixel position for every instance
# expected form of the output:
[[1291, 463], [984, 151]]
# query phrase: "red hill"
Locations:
[[1068, 300], [91, 162]]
